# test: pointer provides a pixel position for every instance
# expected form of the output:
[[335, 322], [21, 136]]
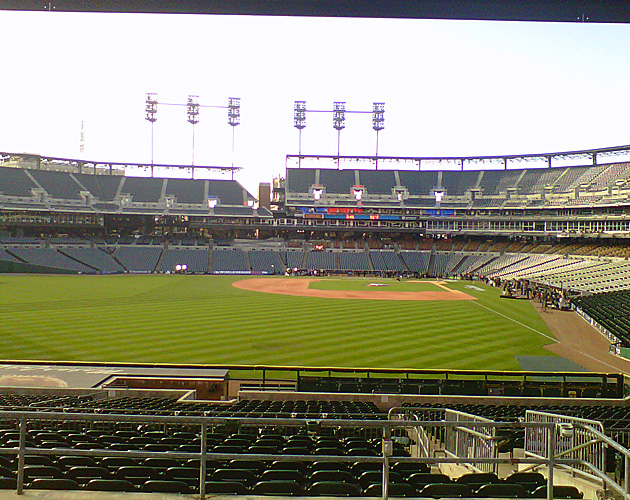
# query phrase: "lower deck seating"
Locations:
[[196, 260], [50, 258], [230, 260], [243, 475], [611, 310], [285, 474], [417, 262], [142, 259], [94, 257], [266, 261]]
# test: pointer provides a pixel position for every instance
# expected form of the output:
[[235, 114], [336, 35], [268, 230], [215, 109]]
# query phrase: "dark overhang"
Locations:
[[594, 11]]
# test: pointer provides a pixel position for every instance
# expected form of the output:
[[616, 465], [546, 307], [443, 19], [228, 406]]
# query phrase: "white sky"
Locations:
[[450, 87]]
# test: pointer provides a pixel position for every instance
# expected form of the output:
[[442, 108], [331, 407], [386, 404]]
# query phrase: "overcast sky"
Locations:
[[450, 87]]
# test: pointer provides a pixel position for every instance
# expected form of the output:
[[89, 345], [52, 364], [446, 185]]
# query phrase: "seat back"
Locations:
[[502, 490], [226, 487], [331, 475], [162, 486], [277, 487], [394, 489], [334, 489], [110, 485], [441, 490], [419, 480], [54, 484]]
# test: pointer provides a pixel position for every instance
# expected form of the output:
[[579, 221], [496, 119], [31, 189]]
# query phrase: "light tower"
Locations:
[[151, 115], [299, 121], [339, 122], [82, 140], [234, 118], [192, 107], [378, 122]]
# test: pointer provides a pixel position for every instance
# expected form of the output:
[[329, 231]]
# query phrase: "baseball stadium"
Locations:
[[361, 326]]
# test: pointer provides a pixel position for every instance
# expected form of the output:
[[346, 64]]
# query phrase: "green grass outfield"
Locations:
[[203, 319]]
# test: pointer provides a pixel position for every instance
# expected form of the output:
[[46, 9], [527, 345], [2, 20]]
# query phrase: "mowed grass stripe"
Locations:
[[203, 319]]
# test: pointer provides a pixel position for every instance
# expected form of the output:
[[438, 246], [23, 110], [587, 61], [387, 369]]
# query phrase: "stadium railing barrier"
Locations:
[[579, 440], [465, 442], [477, 437], [458, 442]]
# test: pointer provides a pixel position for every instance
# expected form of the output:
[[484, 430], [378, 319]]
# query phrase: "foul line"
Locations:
[[615, 368], [515, 321]]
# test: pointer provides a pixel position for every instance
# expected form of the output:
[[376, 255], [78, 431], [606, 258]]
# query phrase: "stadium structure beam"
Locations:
[[75, 163]]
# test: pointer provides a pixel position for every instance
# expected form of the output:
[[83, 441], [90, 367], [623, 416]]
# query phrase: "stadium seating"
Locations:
[[252, 476], [321, 260], [50, 258], [230, 261], [377, 182], [186, 191], [611, 311], [267, 261], [386, 261], [295, 259], [16, 182], [102, 187], [96, 258], [353, 261], [138, 259], [196, 260], [418, 183], [417, 262]]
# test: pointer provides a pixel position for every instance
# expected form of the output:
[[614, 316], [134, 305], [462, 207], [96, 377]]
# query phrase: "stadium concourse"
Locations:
[[556, 236]]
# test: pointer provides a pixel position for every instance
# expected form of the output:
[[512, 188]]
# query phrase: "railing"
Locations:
[[474, 447], [368, 379], [418, 434], [464, 442], [461, 442], [572, 441], [580, 441]]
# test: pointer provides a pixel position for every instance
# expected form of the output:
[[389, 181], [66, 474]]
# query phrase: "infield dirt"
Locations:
[[300, 287]]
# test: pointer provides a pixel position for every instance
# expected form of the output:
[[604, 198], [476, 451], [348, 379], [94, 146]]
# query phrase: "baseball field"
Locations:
[[349, 322]]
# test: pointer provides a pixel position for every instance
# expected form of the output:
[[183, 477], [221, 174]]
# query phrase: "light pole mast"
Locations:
[[234, 119], [299, 122], [378, 122], [151, 116], [339, 123], [193, 118]]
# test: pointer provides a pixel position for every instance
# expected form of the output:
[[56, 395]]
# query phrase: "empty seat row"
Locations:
[[280, 482]]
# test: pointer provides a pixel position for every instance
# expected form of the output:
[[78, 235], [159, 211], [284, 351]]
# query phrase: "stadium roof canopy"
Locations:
[[600, 11], [592, 156]]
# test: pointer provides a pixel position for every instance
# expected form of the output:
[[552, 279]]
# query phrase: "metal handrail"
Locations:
[[419, 433]]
